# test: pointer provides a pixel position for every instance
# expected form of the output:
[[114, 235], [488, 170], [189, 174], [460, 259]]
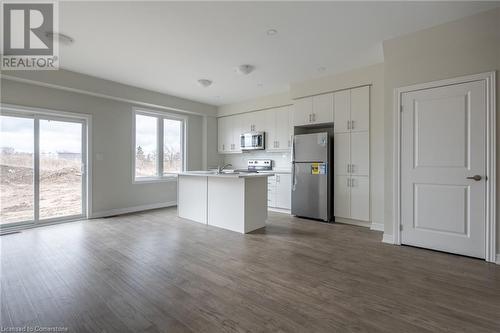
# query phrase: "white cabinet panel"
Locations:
[[284, 191], [341, 197], [278, 135], [360, 109], [342, 108], [271, 191], [302, 111], [360, 198], [259, 121], [360, 153], [290, 127], [222, 127], [322, 108], [236, 125], [341, 153], [247, 121]]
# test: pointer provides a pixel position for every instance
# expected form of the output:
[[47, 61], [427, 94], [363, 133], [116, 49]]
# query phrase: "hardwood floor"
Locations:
[[154, 272]]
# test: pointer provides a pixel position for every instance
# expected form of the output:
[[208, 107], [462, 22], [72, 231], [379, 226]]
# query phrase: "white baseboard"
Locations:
[[387, 239], [377, 226], [279, 210], [353, 222], [120, 211], [498, 259]]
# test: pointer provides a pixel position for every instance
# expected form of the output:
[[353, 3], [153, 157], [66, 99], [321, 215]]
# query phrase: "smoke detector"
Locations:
[[205, 83], [244, 69]]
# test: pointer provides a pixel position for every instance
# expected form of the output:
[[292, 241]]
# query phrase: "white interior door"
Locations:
[[444, 145]]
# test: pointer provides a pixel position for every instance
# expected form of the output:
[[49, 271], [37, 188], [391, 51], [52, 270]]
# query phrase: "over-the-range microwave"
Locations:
[[252, 141]]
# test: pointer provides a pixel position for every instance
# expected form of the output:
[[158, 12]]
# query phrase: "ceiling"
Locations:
[[168, 46]]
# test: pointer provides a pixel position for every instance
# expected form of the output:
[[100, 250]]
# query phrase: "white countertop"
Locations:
[[225, 175]]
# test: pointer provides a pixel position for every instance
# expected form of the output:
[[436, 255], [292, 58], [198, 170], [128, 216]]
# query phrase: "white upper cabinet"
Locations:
[[352, 110], [279, 133], [322, 108], [313, 110], [221, 134], [360, 109], [342, 102], [302, 111], [235, 132], [228, 134]]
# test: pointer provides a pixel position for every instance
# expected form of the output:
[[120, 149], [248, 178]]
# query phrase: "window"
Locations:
[[159, 146]]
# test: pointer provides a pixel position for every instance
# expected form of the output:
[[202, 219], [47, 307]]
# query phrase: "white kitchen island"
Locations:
[[232, 201]]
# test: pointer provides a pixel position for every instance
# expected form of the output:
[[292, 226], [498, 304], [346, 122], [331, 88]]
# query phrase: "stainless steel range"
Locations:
[[258, 165]]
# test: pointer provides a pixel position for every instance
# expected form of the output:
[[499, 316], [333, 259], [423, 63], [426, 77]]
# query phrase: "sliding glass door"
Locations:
[[43, 171]]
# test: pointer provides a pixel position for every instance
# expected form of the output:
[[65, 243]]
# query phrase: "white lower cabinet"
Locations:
[[342, 197], [279, 191], [360, 198], [352, 197]]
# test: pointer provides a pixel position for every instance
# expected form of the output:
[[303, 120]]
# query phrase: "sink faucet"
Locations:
[[220, 169]]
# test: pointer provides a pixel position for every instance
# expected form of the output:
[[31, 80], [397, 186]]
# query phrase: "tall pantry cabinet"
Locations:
[[352, 154]]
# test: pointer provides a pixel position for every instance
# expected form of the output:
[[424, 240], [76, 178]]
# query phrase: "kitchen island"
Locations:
[[233, 201]]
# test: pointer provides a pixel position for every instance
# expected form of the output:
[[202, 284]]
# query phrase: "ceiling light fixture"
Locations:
[[205, 83], [271, 32], [59, 37], [244, 69]]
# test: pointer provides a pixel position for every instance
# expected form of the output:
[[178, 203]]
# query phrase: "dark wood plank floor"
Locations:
[[154, 272]]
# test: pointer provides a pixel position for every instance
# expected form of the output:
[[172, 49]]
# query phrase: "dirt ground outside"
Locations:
[[60, 187]]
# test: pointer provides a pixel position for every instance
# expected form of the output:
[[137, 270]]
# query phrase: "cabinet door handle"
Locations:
[[352, 182], [314, 117], [352, 168], [277, 144], [348, 168], [348, 124], [348, 183], [352, 124]]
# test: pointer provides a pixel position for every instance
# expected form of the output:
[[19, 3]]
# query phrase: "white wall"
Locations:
[[112, 136], [467, 46]]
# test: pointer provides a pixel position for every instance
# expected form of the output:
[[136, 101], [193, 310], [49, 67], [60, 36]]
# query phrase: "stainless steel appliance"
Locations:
[[254, 166], [311, 176], [252, 141]]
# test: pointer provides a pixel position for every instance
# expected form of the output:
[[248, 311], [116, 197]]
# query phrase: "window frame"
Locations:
[[160, 116]]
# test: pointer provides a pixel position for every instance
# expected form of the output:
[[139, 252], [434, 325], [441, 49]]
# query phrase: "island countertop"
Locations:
[[225, 175]]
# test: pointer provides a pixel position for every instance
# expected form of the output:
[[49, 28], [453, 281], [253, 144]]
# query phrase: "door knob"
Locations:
[[476, 178]]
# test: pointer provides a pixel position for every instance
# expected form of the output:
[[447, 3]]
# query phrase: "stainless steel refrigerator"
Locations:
[[311, 176]]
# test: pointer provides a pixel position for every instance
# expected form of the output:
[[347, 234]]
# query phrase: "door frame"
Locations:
[[50, 114], [490, 208]]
